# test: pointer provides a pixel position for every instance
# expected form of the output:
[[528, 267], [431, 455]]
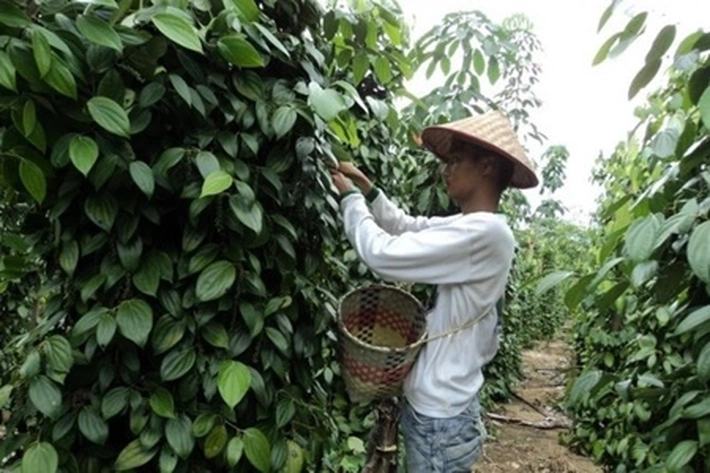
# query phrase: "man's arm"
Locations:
[[387, 214], [448, 254]]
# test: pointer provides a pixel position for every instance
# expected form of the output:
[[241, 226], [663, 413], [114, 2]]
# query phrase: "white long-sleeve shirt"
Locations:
[[468, 257]]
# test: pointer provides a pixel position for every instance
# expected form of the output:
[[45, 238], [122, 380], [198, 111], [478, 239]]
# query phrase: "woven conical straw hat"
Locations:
[[492, 131]]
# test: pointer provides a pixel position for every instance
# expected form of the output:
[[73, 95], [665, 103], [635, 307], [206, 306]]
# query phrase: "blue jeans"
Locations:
[[448, 445]]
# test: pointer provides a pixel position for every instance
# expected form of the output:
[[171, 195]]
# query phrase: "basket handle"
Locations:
[[448, 333]]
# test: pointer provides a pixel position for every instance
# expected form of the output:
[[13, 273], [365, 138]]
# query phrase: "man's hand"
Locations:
[[340, 182], [357, 176]]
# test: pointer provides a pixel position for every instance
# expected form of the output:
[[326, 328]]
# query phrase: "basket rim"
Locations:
[[344, 330]]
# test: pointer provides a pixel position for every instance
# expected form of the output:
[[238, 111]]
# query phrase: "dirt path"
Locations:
[[513, 447]]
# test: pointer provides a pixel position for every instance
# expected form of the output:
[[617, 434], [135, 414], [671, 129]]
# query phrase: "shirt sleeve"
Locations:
[[443, 254], [396, 221]]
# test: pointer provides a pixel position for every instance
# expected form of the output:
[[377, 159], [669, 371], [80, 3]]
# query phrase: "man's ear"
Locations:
[[488, 166]]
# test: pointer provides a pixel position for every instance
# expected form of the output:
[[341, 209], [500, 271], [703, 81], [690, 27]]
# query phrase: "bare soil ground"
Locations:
[[523, 436]]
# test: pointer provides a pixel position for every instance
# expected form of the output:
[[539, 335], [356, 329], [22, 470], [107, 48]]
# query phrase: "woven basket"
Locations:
[[380, 333]]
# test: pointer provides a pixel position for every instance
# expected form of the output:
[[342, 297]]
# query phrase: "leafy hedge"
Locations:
[[174, 153], [642, 401]]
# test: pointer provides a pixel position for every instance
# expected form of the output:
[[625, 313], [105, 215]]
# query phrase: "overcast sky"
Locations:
[[584, 108]]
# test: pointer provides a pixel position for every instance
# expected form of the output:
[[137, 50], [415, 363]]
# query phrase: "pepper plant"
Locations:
[[171, 155], [642, 400]]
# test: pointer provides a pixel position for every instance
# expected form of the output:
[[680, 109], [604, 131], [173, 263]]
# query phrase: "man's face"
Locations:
[[463, 172]]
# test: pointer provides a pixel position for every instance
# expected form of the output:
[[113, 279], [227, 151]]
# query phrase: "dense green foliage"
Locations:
[[19, 305], [642, 399], [181, 207], [171, 256]]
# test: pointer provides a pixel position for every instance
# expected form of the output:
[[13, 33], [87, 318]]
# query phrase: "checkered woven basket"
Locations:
[[380, 333]]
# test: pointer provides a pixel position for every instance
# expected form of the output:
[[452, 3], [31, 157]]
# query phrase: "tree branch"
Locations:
[[548, 424]]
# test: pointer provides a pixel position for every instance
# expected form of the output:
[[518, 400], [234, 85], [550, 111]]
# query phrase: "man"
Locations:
[[468, 257]]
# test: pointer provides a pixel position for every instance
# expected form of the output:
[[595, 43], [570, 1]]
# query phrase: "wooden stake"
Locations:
[[382, 443]]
